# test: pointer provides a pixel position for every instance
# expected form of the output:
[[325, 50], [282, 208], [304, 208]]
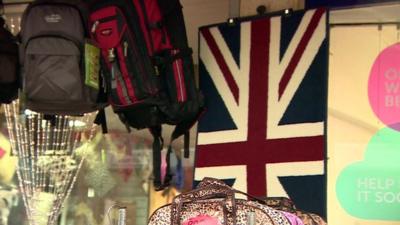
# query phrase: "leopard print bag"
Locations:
[[285, 204], [215, 204]]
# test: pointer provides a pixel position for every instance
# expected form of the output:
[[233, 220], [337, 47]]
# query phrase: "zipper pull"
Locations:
[[94, 27], [126, 49], [157, 70], [103, 79], [111, 55]]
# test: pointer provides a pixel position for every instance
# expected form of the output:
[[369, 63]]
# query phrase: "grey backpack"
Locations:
[[53, 35]]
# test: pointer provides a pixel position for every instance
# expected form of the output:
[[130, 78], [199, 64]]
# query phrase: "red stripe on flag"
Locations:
[[259, 53], [268, 151], [300, 50], [221, 63]]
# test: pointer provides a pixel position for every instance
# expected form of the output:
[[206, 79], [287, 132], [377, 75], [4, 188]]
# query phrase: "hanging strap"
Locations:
[[183, 129], [158, 143], [101, 120], [168, 174], [123, 119], [186, 143], [180, 129]]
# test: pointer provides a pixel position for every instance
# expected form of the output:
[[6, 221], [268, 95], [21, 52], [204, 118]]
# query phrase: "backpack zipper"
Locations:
[[94, 26], [101, 20], [126, 45], [76, 42], [111, 55]]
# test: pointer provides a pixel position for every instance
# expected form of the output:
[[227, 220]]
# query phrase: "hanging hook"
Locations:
[[288, 12], [232, 21], [261, 9]]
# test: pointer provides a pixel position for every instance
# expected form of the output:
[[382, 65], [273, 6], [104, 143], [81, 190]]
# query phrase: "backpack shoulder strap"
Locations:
[[180, 129]]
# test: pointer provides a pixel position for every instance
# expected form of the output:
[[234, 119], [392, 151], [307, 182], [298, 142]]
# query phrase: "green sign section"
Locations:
[[370, 189], [92, 65]]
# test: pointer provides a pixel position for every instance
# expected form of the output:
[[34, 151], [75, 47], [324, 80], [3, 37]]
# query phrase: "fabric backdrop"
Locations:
[[265, 83]]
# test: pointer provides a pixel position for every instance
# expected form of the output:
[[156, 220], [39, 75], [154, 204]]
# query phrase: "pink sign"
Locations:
[[202, 220], [384, 86], [2, 153]]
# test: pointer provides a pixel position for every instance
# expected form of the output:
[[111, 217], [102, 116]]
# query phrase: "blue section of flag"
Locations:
[[306, 192], [231, 34], [217, 117], [305, 106], [288, 28]]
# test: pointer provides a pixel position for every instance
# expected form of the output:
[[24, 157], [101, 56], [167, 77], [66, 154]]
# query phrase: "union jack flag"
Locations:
[[265, 83]]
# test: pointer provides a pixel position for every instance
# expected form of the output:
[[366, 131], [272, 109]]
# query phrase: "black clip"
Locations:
[[261, 10]]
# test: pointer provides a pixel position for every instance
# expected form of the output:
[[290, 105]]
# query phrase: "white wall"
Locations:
[[248, 7], [198, 13]]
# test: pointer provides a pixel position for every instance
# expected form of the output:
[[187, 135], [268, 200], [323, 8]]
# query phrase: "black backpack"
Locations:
[[148, 67], [175, 65], [9, 81], [53, 53]]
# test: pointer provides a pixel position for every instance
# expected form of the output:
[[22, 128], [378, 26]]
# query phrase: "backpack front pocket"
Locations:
[[133, 78], [52, 70]]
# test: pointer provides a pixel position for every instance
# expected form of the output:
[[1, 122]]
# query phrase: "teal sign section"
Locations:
[[370, 189]]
